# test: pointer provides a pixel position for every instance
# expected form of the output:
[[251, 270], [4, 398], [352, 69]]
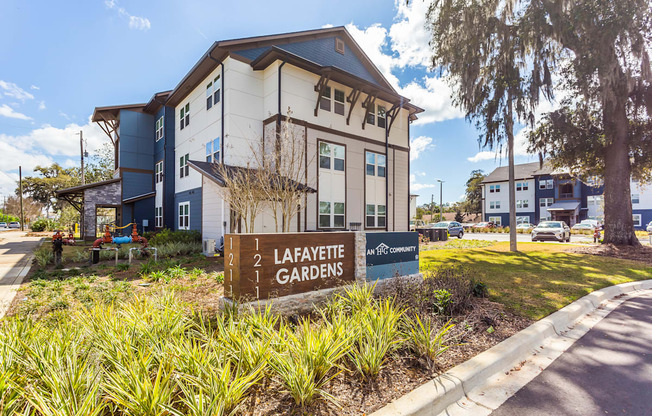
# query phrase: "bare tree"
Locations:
[[243, 191]]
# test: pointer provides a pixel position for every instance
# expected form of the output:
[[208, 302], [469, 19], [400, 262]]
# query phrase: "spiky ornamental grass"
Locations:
[[155, 356]]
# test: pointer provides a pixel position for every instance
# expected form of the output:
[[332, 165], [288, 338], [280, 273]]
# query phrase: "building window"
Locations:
[[494, 188], [546, 184], [331, 215], [371, 117], [338, 106], [158, 175], [566, 190], [522, 186], [594, 200], [213, 151], [159, 129], [325, 99], [546, 202], [184, 169], [496, 220], [637, 220], [376, 216], [523, 220], [217, 90], [376, 164], [494, 204], [184, 215], [184, 116], [522, 203], [331, 156], [209, 96], [158, 217], [635, 198], [382, 116]]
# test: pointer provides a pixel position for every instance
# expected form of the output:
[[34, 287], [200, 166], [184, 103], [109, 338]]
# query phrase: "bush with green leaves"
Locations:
[[166, 236], [43, 224]]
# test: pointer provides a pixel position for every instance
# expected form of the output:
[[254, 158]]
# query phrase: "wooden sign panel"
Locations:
[[263, 266]]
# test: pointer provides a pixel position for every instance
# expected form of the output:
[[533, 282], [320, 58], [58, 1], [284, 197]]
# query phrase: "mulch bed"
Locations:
[[637, 253], [401, 374]]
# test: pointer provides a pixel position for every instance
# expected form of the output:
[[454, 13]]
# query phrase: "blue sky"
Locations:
[[59, 60]]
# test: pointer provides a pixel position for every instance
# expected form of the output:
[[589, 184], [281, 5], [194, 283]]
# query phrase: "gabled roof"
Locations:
[[313, 50], [111, 112], [78, 189], [521, 171]]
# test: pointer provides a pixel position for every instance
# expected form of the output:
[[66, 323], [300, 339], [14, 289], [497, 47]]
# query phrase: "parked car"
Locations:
[[488, 224], [525, 226], [414, 224], [455, 229], [551, 230], [14, 224], [649, 227], [595, 223], [584, 226], [3, 225]]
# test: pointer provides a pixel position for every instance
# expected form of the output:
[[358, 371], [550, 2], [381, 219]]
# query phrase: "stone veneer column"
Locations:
[[360, 257]]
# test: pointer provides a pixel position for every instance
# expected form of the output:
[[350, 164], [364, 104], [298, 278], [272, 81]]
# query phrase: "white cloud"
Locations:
[[434, 97], [8, 182], [12, 90], [7, 111], [484, 155], [418, 145], [135, 22], [34, 87], [41, 105], [415, 187], [409, 36]]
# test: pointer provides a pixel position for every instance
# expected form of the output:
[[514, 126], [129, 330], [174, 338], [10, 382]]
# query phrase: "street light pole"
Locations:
[[20, 186]]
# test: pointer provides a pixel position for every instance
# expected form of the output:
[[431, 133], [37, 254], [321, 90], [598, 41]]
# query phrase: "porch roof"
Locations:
[[564, 206]]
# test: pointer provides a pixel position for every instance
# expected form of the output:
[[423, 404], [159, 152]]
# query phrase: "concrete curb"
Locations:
[[433, 397]]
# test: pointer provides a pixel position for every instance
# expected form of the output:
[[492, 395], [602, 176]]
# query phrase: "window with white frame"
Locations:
[[158, 217], [494, 204], [158, 172], [376, 216], [594, 200], [331, 156], [184, 215], [209, 96], [523, 219], [184, 169], [637, 220], [331, 214], [371, 116], [159, 129], [325, 99], [213, 151], [635, 198], [546, 202], [546, 184], [522, 203], [496, 220], [494, 188], [217, 90], [338, 104], [184, 116], [382, 116], [376, 164], [522, 186]]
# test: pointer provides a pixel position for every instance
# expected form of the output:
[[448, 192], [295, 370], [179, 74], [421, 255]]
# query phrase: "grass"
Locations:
[[456, 243], [539, 279]]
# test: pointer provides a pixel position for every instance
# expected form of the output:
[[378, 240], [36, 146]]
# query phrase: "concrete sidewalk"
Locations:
[[15, 261], [606, 372]]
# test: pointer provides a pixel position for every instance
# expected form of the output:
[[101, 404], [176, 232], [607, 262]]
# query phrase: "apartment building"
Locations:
[[545, 194], [354, 125]]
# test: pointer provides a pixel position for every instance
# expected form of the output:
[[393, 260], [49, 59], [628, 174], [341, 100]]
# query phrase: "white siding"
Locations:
[[503, 197]]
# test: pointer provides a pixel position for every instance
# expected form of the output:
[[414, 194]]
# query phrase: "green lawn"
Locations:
[[541, 278]]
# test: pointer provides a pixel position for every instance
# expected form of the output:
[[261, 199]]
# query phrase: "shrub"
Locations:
[[480, 289], [426, 341], [168, 236], [44, 256], [43, 224], [442, 300]]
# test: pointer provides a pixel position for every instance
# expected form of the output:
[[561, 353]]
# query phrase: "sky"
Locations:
[[59, 60]]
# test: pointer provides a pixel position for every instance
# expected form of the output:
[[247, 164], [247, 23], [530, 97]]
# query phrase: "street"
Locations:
[[519, 237], [607, 372]]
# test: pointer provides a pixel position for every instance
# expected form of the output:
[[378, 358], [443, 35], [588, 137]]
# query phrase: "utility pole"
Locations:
[[20, 187], [432, 206], [441, 207], [81, 146]]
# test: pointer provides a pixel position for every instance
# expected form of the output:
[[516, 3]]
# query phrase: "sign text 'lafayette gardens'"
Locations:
[[261, 266]]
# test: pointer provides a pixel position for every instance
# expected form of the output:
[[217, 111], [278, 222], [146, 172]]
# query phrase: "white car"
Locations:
[[551, 230], [649, 227], [525, 226], [3, 225]]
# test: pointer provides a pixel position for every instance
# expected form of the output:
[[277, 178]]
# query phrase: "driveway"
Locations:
[[521, 238], [606, 372], [15, 260]]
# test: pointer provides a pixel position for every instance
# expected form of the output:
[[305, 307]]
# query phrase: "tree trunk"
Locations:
[[618, 221], [509, 126]]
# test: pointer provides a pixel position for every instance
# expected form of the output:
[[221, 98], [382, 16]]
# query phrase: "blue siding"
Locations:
[[646, 217], [541, 193], [169, 217], [322, 52], [136, 183], [194, 196], [136, 140]]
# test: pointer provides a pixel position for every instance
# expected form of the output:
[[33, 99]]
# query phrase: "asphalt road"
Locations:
[[606, 372], [519, 237]]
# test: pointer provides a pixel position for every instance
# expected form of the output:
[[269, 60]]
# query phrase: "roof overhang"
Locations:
[[564, 206], [113, 112], [79, 189], [139, 197]]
